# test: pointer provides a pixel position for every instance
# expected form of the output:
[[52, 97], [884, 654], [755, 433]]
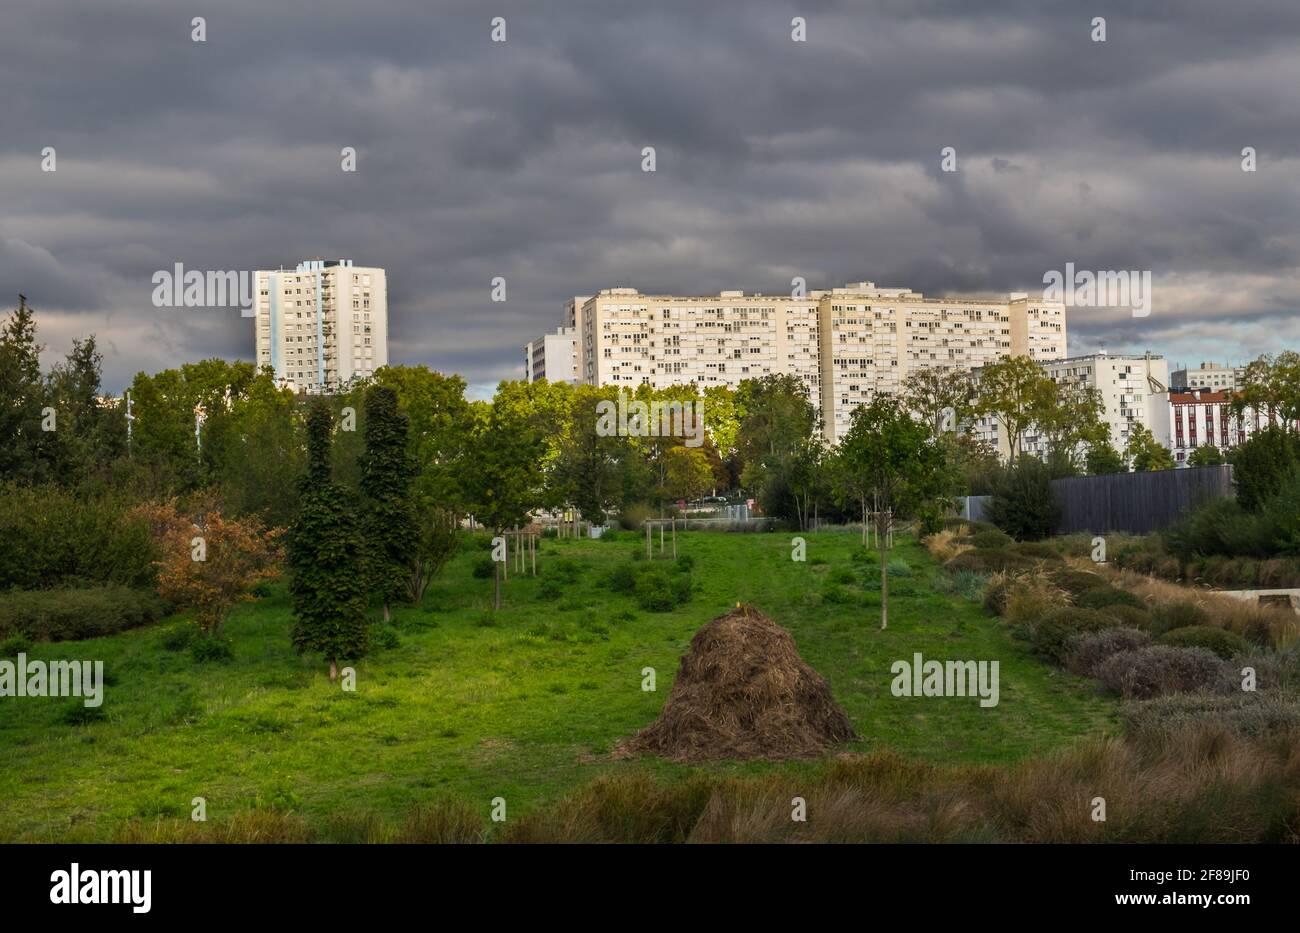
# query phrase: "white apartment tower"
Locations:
[[323, 324], [845, 344]]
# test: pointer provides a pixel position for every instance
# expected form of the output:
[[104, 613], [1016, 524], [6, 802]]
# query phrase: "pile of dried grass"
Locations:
[[742, 691]]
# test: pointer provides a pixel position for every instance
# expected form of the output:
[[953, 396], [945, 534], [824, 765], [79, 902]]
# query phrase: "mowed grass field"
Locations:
[[525, 703]]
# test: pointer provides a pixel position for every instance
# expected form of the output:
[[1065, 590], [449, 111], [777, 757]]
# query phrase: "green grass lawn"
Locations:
[[523, 704]]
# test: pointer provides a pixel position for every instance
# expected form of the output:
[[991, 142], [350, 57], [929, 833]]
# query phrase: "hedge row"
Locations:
[[73, 614]]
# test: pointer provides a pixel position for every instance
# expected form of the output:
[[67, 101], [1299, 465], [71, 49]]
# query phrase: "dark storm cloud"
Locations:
[[522, 160]]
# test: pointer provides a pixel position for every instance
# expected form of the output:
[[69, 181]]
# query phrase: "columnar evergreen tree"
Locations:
[[387, 471], [325, 550], [22, 396]]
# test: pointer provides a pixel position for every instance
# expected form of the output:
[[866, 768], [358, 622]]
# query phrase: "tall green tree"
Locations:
[[24, 453], [325, 553], [387, 472], [941, 399], [1145, 452], [897, 459], [1206, 455], [1103, 459], [1014, 392], [506, 461], [776, 425]]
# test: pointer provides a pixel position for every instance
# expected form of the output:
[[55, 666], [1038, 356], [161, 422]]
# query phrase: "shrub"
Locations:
[[1220, 641], [685, 562], [1053, 631], [15, 644], [550, 589], [77, 713], [238, 554], [1157, 670], [634, 515], [210, 647], [654, 591], [179, 637], [1022, 503], [1038, 550], [1175, 615], [484, 568], [622, 578], [995, 592], [990, 539], [1243, 714], [1130, 616], [384, 636], [565, 570], [836, 595], [66, 615], [842, 575], [965, 584], [1084, 653], [1076, 582], [52, 537], [1105, 596], [899, 568], [658, 590], [988, 560]]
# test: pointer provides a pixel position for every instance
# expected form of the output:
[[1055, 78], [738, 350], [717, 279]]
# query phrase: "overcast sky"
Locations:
[[522, 159]]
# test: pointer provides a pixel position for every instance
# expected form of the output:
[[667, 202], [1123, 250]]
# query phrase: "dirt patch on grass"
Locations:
[[742, 691]]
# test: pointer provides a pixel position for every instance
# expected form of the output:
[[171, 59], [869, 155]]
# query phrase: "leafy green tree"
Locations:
[[1271, 386], [1022, 503], [389, 515], [439, 432], [325, 553], [1069, 418], [777, 422], [1014, 392], [591, 467], [1263, 465], [689, 473], [505, 465], [1206, 455], [1104, 459], [1145, 453], [942, 399], [894, 456]]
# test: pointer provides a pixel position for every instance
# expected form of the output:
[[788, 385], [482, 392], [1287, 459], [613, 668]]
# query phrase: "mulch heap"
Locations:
[[742, 691]]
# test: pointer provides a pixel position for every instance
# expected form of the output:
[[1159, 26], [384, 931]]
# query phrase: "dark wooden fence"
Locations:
[[1138, 502]]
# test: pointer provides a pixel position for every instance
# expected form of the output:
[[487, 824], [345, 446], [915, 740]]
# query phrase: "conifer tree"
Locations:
[[386, 475], [325, 557]]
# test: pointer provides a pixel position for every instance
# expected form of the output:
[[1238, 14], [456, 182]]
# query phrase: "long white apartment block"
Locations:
[[1215, 377], [845, 344], [322, 324]]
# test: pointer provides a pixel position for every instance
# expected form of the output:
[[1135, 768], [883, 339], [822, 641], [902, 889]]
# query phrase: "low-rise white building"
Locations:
[[553, 357]]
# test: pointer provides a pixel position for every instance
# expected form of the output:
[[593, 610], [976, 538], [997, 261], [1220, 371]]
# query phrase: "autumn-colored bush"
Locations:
[[210, 562]]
